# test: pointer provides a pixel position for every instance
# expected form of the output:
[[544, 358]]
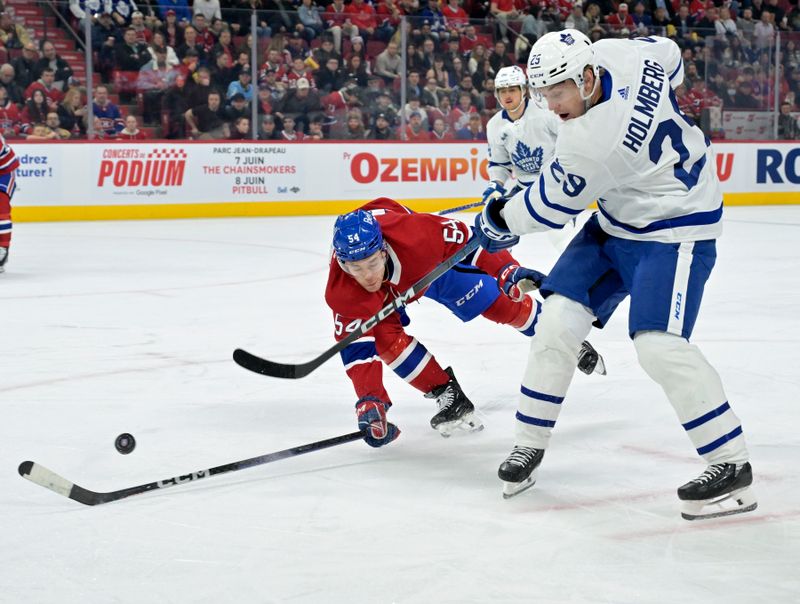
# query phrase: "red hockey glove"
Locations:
[[515, 281], [371, 413]]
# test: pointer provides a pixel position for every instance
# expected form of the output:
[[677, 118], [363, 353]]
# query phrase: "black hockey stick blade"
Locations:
[[58, 484], [295, 371]]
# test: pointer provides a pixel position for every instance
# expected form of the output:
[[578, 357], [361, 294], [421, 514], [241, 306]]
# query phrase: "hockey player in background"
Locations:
[[625, 142], [379, 251], [522, 137], [8, 166]]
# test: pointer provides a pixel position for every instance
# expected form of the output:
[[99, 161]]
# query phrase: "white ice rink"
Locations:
[[113, 327]]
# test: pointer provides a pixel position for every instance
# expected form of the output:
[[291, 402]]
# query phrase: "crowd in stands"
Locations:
[[175, 69]]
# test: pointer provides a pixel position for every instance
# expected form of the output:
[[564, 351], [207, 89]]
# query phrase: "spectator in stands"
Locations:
[[503, 11], [430, 94], [223, 73], [242, 85], [357, 70], [441, 131], [131, 131], [576, 20], [455, 17], [330, 76], [71, 112], [108, 113], [764, 31], [12, 35], [10, 121], [53, 123], [224, 45], [8, 82], [191, 43], [210, 9], [131, 55], [744, 98], [237, 108], [288, 131], [388, 64], [34, 112], [434, 19], [170, 29], [621, 22], [205, 37], [362, 16], [40, 132], [298, 70], [642, 20], [207, 121], [241, 129], [337, 20], [440, 72], [61, 70], [310, 20], [456, 72], [788, 127], [315, 132], [355, 127], [268, 131], [46, 83], [103, 29], [158, 42], [174, 106], [499, 58], [414, 105], [143, 34], [660, 20], [382, 129], [155, 78], [296, 47], [384, 106], [25, 65], [388, 16], [301, 102], [325, 51], [684, 23], [179, 9], [473, 130], [461, 113], [414, 130]]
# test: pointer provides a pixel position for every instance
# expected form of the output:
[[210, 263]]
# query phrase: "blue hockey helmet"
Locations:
[[356, 236]]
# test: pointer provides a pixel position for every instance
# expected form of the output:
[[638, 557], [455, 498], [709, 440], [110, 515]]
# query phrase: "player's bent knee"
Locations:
[[563, 324]]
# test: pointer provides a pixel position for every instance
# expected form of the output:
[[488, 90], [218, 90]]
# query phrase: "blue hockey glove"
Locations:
[[490, 228], [404, 318], [494, 190], [515, 281], [371, 413]]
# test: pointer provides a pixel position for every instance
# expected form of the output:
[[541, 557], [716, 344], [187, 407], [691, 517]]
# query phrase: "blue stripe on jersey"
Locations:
[[541, 396], [720, 441], [696, 219], [707, 417], [535, 215], [497, 163], [677, 69], [358, 351], [405, 368], [5, 226], [535, 421], [554, 206]]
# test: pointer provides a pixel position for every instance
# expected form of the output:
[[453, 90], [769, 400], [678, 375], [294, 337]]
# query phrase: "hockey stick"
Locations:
[[50, 480], [293, 372], [459, 208]]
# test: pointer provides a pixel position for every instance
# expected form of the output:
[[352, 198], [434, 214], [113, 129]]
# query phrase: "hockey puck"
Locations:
[[125, 443]]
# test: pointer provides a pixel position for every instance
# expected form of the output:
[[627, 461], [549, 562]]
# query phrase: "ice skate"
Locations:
[[456, 411], [518, 471], [3, 258], [590, 361], [723, 489]]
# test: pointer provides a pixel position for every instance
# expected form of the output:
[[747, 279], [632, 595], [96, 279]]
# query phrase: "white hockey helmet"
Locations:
[[559, 56], [508, 77]]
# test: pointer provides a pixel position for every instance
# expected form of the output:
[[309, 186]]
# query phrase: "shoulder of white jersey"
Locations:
[[664, 50]]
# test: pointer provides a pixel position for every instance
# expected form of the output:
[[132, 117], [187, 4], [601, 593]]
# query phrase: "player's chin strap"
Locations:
[[587, 100]]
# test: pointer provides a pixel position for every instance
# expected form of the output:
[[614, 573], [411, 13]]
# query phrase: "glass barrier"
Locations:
[[384, 71]]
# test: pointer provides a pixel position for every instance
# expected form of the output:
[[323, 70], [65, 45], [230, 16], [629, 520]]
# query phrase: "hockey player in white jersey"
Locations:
[[624, 142], [522, 137]]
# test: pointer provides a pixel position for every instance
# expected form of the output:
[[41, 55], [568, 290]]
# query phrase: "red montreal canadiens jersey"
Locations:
[[415, 245], [8, 160]]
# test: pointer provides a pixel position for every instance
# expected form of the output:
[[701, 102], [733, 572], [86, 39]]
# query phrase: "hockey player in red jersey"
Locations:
[[380, 250], [8, 166]]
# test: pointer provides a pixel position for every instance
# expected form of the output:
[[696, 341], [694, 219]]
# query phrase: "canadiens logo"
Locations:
[[133, 168], [527, 159], [567, 39]]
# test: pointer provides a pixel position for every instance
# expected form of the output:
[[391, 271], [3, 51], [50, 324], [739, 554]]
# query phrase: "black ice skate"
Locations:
[[3, 258], [590, 361], [518, 471], [722, 490], [456, 411]]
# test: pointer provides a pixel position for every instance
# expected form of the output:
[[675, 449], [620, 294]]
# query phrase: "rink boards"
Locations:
[[189, 179]]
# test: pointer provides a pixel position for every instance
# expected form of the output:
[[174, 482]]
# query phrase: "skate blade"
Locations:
[[512, 489], [601, 366], [468, 423], [737, 502]]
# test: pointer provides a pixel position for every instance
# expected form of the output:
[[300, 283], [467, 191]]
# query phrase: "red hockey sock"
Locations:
[[5, 221], [507, 312]]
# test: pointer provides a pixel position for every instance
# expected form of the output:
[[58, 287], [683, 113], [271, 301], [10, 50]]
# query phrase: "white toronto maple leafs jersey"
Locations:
[[651, 170], [521, 146]]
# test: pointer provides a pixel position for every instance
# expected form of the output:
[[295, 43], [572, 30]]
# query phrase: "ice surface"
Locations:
[[129, 327]]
